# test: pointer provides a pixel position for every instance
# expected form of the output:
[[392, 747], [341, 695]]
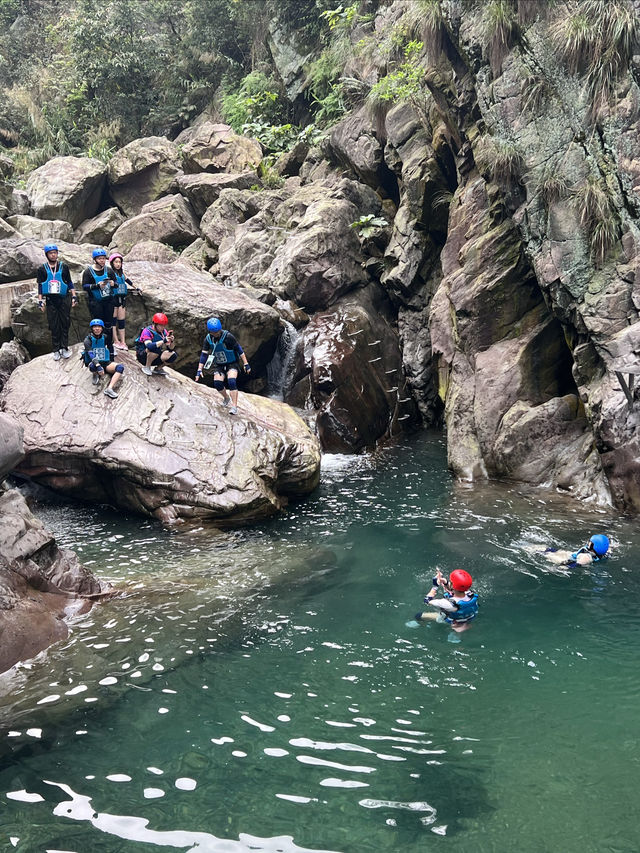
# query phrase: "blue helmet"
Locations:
[[600, 544], [214, 325], [96, 323], [50, 247], [98, 253]]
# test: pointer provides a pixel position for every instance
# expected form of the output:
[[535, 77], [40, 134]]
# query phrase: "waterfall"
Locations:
[[278, 367]]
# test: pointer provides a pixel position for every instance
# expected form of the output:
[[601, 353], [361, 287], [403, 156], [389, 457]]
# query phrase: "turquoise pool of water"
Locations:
[[262, 690]]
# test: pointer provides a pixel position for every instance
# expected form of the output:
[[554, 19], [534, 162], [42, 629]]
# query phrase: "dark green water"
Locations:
[[260, 690]]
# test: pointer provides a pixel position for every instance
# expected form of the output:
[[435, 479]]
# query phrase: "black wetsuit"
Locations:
[[58, 307]]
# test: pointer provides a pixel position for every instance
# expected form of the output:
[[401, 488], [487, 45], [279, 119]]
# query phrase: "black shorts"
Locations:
[[120, 301], [223, 368]]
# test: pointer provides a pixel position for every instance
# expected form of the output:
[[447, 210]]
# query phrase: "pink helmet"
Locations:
[[115, 255]]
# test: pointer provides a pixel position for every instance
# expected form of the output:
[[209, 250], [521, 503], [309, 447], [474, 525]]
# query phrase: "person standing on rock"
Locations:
[[98, 357], [99, 287], [222, 353], [54, 286], [121, 284], [155, 346]]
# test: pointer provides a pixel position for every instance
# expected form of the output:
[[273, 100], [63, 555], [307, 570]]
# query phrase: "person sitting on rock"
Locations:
[[98, 357], [54, 286], [99, 288], [459, 605], [222, 353], [121, 284], [596, 549], [155, 346]]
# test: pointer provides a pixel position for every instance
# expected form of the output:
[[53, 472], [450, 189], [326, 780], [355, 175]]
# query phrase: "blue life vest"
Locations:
[[140, 345], [53, 284], [466, 611], [99, 349], [121, 283], [219, 353], [98, 292]]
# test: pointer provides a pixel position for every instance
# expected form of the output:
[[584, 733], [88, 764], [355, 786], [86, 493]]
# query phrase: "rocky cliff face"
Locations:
[[41, 586]]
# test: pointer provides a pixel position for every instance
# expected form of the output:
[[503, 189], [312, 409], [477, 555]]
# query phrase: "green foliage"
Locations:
[[597, 40], [597, 214], [367, 225], [501, 158], [340, 18], [270, 178], [551, 183], [405, 81], [501, 29], [256, 101]]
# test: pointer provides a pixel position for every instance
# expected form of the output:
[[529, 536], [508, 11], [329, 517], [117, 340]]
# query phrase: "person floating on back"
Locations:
[[98, 357], [597, 548], [222, 353], [459, 604], [54, 286], [155, 346]]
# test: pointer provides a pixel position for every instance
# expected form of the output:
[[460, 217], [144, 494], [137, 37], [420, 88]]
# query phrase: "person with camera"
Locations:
[[98, 357], [155, 346], [54, 286], [222, 353]]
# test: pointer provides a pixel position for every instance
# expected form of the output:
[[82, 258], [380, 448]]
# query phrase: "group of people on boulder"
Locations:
[[106, 286]]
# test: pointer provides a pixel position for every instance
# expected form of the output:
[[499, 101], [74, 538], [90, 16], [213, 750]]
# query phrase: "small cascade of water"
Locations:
[[278, 367]]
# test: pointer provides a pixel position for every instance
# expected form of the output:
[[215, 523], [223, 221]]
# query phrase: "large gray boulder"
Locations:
[[68, 188], [143, 171], [40, 584], [187, 296], [165, 448], [46, 230], [167, 220], [217, 148], [99, 229], [12, 355], [348, 368], [20, 258], [151, 250], [11, 444], [203, 188]]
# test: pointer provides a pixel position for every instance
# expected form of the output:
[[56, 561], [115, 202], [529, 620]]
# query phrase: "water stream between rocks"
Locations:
[[261, 690]]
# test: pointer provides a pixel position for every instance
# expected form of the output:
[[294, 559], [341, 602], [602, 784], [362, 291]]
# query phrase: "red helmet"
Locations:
[[160, 319], [460, 580]]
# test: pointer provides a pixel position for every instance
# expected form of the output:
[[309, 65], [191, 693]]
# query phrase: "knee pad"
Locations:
[[231, 382], [172, 357], [119, 368], [218, 384], [121, 324]]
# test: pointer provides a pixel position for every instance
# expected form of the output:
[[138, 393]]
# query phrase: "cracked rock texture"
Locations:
[[165, 448]]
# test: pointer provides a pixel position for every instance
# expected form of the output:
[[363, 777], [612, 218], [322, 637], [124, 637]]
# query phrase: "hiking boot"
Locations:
[[226, 401], [65, 352], [56, 355], [96, 379], [233, 410], [148, 371], [159, 371], [110, 393]]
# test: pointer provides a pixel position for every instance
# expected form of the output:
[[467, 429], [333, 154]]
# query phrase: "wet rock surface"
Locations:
[[40, 585], [164, 448]]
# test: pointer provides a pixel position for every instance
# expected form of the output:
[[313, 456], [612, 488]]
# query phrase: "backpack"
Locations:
[[139, 345]]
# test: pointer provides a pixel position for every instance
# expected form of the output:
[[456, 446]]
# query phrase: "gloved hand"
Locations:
[[41, 304], [95, 362], [74, 301], [198, 375], [247, 368]]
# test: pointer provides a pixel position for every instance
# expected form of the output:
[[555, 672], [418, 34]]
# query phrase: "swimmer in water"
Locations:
[[596, 549], [457, 607]]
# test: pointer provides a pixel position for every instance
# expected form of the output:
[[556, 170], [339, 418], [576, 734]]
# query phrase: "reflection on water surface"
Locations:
[[261, 690]]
